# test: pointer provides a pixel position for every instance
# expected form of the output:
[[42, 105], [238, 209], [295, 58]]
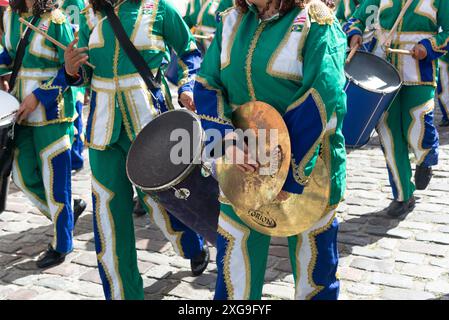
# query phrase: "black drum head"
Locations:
[[159, 156], [373, 73]]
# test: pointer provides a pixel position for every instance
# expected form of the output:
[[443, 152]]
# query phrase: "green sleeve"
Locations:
[[437, 46], [360, 18], [64, 34], [210, 94], [178, 36], [340, 14], [225, 4], [320, 96]]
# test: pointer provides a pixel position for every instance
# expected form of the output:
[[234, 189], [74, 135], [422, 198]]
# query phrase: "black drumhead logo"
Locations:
[[262, 219]]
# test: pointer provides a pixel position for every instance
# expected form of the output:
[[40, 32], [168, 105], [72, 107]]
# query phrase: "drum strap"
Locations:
[[152, 82], [20, 53]]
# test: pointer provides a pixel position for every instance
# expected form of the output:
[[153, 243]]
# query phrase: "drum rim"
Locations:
[[187, 170], [358, 83]]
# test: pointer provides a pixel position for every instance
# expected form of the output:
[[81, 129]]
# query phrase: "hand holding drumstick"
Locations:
[[74, 58], [57, 43]]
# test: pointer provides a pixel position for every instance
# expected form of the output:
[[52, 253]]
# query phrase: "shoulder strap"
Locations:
[[20, 53], [131, 51]]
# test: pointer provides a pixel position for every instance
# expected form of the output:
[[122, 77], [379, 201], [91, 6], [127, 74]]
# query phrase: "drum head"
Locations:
[[163, 152], [9, 104], [373, 73]]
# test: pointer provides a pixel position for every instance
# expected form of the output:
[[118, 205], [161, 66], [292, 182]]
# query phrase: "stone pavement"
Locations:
[[380, 257]]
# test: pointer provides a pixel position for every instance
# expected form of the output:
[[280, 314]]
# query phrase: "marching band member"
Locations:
[[443, 90], [345, 10], [44, 129], [121, 106], [202, 15], [73, 10], [289, 54], [410, 119]]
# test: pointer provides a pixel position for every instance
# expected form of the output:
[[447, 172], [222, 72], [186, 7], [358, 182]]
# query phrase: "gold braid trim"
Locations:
[[299, 169], [320, 13], [214, 119]]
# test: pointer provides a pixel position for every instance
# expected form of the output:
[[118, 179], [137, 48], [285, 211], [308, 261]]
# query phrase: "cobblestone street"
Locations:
[[380, 257]]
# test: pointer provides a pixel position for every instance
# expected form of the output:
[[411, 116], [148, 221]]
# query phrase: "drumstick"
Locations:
[[46, 36], [399, 51], [199, 36], [387, 42], [352, 54]]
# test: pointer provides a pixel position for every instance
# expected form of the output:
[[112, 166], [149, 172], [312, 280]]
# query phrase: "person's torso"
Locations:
[[40, 62], [262, 61], [419, 23]]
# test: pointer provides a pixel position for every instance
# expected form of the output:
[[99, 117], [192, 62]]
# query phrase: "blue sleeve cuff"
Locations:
[[50, 92], [432, 52], [186, 87]]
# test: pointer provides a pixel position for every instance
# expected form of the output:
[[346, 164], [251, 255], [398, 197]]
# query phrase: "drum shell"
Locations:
[[364, 110], [200, 211], [6, 157]]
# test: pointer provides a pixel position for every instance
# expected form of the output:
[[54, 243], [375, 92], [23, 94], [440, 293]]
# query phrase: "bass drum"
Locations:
[[9, 107], [180, 185], [372, 85]]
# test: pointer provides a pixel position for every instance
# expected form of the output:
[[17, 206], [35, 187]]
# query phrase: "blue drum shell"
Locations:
[[371, 88], [200, 211], [364, 110]]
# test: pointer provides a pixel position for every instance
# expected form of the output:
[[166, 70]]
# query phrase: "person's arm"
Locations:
[[6, 61], [438, 45], [209, 93], [179, 37], [84, 74], [322, 92], [340, 13], [51, 91], [357, 24]]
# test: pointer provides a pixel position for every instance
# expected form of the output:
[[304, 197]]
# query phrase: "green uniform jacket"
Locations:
[[203, 15], [345, 9], [421, 24], [41, 71], [119, 94], [294, 63]]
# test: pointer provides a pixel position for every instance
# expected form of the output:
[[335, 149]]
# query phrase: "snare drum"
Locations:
[[176, 180], [372, 85], [8, 109]]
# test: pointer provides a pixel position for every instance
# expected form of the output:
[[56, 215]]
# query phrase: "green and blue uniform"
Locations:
[[295, 63]]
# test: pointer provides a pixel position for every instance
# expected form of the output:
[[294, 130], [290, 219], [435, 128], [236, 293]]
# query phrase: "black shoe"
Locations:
[[79, 205], [200, 262], [399, 208], [51, 258], [422, 177], [444, 123], [139, 211]]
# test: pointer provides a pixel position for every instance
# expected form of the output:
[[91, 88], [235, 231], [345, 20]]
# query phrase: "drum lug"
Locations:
[[182, 194], [206, 169]]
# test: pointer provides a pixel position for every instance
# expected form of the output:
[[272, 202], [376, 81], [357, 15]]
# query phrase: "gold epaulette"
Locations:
[[57, 16], [320, 13]]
